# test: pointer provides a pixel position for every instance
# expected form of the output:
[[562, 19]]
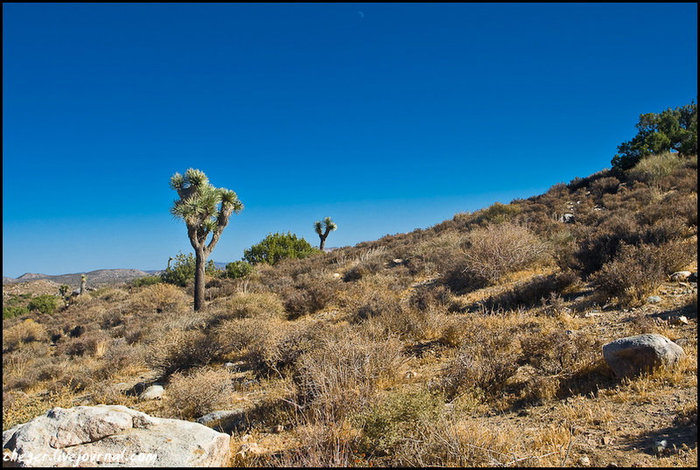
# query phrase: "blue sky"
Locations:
[[386, 117]]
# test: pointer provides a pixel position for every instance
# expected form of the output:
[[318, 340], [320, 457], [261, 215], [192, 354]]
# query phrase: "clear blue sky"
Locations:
[[386, 117]]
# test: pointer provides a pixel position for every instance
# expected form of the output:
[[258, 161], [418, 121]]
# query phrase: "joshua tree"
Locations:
[[323, 234], [205, 209], [83, 284]]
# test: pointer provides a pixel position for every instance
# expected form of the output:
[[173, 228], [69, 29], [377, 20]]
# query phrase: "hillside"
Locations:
[[95, 278], [475, 342]]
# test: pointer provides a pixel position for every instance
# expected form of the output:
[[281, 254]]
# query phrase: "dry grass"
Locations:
[[160, 298], [194, 395]]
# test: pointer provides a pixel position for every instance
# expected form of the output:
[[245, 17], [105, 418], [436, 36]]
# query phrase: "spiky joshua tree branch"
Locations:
[[323, 229], [205, 210]]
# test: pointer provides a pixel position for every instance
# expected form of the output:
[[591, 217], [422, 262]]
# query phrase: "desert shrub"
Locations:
[[252, 305], [431, 298], [277, 246], [341, 375], [194, 395], [531, 292], [12, 311], [111, 319], [309, 294], [654, 169], [374, 304], [184, 268], [159, 298], [24, 332], [638, 270], [146, 281], [362, 269], [182, 350], [485, 360], [46, 304], [237, 269], [496, 213], [386, 424], [494, 251], [600, 244], [606, 185]]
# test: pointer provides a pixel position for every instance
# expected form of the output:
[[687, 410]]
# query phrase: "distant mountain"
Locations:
[[94, 278]]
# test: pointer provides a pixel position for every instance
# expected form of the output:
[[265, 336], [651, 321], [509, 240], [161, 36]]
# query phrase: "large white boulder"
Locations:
[[112, 435], [635, 354]]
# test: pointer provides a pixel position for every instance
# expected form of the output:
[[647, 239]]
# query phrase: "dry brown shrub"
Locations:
[[194, 395], [342, 374], [639, 270], [486, 359], [24, 332], [532, 291], [607, 185], [254, 305], [159, 298], [182, 350], [493, 252], [309, 294]]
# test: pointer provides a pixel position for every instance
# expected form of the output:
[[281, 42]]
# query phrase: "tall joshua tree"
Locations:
[[205, 210], [323, 229]]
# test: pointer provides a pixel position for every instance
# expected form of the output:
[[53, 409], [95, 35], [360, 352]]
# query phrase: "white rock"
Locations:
[[154, 392], [113, 435], [680, 276], [681, 320], [653, 299]]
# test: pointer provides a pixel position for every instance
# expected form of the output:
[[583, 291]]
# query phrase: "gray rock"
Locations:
[[154, 392], [653, 299], [635, 354], [113, 435], [221, 415], [584, 461]]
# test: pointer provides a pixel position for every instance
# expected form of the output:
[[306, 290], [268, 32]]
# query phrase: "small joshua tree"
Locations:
[[323, 229], [205, 210], [83, 284]]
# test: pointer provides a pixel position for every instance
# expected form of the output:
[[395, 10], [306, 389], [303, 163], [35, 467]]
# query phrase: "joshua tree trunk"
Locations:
[[201, 260], [83, 284], [323, 241]]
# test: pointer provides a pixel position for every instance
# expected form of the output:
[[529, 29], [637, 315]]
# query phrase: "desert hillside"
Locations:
[[475, 342]]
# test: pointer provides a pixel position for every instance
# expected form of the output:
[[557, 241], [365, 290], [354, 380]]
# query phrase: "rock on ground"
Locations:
[[635, 354], [112, 435]]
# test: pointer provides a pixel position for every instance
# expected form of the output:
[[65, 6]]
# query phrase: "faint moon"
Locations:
[[362, 15]]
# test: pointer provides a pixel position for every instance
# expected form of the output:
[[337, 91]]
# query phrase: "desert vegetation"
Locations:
[[475, 342]]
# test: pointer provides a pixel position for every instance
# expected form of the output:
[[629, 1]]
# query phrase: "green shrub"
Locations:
[[15, 305], [146, 281], [238, 269], [44, 303], [183, 270], [277, 246], [14, 311]]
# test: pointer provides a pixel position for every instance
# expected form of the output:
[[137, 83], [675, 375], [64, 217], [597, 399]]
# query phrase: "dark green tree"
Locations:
[[323, 229], [277, 246], [205, 210], [671, 130]]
